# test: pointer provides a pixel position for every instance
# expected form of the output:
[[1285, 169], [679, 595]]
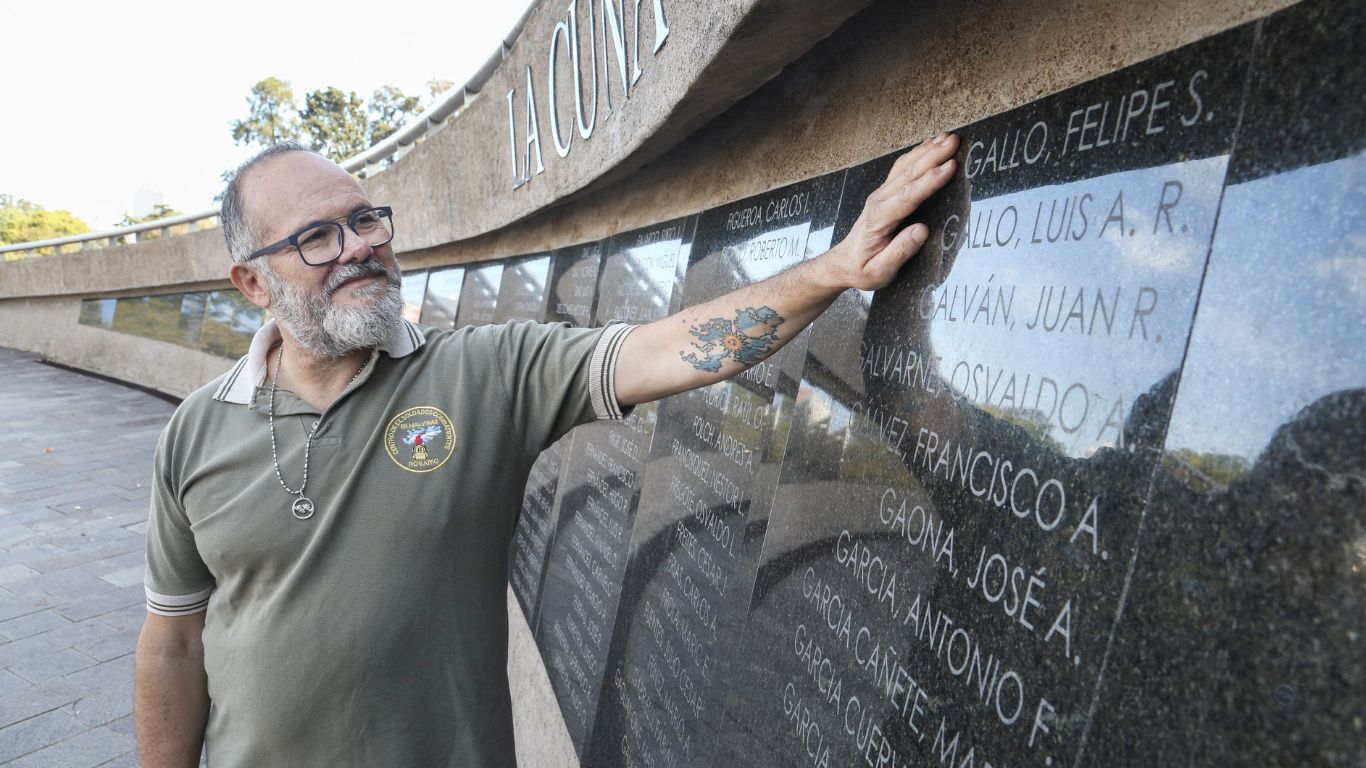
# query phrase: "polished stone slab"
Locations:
[[1241, 641], [570, 287], [574, 283], [964, 487], [479, 294], [522, 289], [442, 300], [710, 476], [601, 485]]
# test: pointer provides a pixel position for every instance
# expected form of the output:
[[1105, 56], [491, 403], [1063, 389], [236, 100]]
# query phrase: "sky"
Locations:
[[106, 99]]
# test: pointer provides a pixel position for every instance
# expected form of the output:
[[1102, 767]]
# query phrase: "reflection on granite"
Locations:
[[568, 288], [601, 484], [710, 476], [522, 289], [574, 284], [479, 294], [442, 299], [414, 287], [535, 526], [522, 296], [964, 486], [1084, 486], [1242, 637]]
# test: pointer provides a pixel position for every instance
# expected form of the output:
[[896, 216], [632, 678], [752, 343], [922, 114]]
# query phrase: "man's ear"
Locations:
[[251, 284]]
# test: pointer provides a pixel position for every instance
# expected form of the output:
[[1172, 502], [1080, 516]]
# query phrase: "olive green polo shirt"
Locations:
[[375, 632]]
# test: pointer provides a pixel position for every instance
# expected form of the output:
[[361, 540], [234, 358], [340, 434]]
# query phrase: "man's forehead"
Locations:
[[298, 187]]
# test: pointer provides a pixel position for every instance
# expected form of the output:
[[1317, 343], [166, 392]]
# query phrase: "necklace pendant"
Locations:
[[303, 508]]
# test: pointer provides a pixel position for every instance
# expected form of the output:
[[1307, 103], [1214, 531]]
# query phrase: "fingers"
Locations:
[[924, 157], [914, 177], [883, 267]]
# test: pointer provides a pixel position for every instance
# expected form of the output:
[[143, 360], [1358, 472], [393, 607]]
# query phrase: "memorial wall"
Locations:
[[1083, 486]]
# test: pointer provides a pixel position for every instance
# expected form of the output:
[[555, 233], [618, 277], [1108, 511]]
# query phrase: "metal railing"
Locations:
[[374, 160]]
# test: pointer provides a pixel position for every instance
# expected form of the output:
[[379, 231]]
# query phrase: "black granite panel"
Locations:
[[522, 293], [965, 479], [711, 475], [1241, 642], [571, 288], [479, 294], [574, 283], [442, 299], [600, 491], [535, 527], [413, 290]]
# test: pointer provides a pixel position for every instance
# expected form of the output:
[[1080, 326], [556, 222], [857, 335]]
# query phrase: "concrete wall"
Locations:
[[885, 78], [888, 76]]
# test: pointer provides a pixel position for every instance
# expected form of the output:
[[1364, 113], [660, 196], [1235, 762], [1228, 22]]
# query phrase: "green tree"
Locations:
[[438, 87], [274, 115], [24, 222], [336, 123], [390, 108], [159, 211]]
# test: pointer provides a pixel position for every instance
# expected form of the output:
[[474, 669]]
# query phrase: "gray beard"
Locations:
[[327, 331]]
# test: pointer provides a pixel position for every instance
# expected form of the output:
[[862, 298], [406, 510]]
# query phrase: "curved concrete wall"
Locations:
[[710, 120], [883, 79]]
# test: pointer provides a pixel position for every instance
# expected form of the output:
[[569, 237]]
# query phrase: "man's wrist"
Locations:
[[828, 273]]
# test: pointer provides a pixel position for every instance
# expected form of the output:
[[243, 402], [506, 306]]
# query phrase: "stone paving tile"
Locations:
[[21, 651], [32, 624], [73, 516], [12, 605], [39, 668], [10, 682], [35, 733], [110, 687], [86, 750], [127, 618], [56, 558], [129, 760], [15, 573], [113, 646], [125, 577], [37, 699]]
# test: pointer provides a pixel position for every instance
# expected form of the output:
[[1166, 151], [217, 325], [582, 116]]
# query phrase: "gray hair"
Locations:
[[233, 214]]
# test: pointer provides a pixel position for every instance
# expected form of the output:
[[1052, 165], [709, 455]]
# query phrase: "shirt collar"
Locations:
[[250, 372]]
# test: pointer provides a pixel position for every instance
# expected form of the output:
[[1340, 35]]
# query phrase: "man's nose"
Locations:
[[354, 247]]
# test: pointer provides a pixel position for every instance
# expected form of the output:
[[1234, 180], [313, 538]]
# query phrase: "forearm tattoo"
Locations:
[[747, 339]]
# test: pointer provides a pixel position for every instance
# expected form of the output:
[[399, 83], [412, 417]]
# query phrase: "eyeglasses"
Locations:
[[322, 242]]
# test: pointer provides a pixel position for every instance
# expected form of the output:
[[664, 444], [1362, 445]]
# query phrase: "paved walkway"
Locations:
[[75, 458]]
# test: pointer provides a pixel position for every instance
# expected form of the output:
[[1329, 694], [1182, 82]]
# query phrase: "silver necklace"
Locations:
[[303, 507]]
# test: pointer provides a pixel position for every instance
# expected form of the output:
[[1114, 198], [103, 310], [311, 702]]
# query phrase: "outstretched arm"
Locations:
[[713, 341]]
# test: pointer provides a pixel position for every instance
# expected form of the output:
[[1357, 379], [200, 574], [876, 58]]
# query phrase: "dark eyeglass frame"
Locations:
[[383, 211]]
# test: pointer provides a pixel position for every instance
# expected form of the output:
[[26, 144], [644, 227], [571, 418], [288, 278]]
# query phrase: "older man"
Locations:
[[327, 553]]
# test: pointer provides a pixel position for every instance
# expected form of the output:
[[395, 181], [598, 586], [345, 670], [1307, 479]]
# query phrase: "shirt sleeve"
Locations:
[[558, 376], [178, 583]]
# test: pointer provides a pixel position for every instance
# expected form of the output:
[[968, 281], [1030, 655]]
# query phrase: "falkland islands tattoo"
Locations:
[[747, 339]]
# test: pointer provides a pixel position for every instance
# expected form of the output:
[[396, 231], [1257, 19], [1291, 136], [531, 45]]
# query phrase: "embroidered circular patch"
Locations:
[[420, 439]]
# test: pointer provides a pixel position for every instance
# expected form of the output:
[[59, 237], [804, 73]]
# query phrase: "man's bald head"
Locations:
[[233, 215]]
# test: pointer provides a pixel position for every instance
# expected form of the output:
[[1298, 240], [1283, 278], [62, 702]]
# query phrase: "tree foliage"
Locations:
[[159, 211], [438, 87], [273, 117], [23, 222], [389, 110], [335, 123]]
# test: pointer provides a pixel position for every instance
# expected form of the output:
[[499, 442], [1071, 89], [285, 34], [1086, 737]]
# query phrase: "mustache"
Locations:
[[353, 270]]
